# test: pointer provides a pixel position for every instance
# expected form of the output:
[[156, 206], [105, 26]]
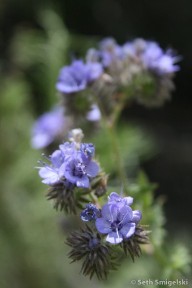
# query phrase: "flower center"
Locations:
[[79, 169], [116, 225]]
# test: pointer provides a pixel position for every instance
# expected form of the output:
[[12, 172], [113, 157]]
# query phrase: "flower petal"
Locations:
[[69, 176], [102, 226], [121, 201], [49, 175], [41, 140], [94, 70], [105, 212], [109, 212], [136, 216], [94, 114], [72, 78], [125, 214], [57, 158], [114, 197], [128, 200], [114, 238], [46, 172], [83, 182], [128, 230], [92, 169]]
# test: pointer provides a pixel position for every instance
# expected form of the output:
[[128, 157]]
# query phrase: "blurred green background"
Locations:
[[36, 39]]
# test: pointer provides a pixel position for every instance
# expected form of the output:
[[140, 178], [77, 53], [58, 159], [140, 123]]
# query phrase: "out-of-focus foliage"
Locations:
[[41, 54], [32, 247], [135, 146]]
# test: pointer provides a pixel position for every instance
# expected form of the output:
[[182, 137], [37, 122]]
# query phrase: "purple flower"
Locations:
[[72, 78], [68, 150], [87, 151], [117, 219], [91, 212], [94, 114], [70, 165], [166, 64], [51, 173], [151, 53], [134, 49], [114, 198], [109, 51], [107, 44], [94, 71], [78, 166], [151, 56], [155, 59], [78, 172], [77, 76], [92, 55], [47, 127]]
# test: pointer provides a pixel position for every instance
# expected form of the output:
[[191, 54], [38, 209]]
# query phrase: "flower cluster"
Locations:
[[146, 53], [74, 177], [111, 75], [70, 167], [100, 87], [116, 218], [139, 67], [119, 222]]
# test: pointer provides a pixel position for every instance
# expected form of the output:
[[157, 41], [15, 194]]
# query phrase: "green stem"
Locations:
[[95, 199], [109, 125], [118, 108], [160, 256], [118, 156]]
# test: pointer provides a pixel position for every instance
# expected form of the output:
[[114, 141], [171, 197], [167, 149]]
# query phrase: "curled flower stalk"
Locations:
[[120, 223], [75, 178], [96, 256], [97, 89]]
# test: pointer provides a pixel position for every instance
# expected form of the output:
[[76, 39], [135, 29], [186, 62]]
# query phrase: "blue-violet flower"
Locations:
[[109, 51], [91, 212], [151, 56], [94, 114], [117, 219], [51, 173], [77, 76], [70, 165], [47, 127]]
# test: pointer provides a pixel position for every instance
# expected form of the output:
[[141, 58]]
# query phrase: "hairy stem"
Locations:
[[109, 124], [118, 156]]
